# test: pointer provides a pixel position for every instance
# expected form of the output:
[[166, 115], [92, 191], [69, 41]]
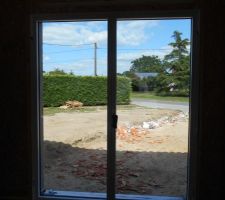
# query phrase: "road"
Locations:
[[183, 106]]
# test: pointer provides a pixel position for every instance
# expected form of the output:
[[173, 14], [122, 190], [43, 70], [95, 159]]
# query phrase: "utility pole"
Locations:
[[95, 59]]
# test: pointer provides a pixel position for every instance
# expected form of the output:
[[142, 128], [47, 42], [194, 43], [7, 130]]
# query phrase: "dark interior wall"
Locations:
[[15, 129], [14, 140], [212, 135]]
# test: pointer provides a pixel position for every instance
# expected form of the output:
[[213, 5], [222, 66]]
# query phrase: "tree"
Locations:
[[57, 71], [174, 79], [146, 64], [135, 80], [71, 72], [179, 47]]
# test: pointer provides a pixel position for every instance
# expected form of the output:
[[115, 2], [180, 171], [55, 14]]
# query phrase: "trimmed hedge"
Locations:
[[90, 90]]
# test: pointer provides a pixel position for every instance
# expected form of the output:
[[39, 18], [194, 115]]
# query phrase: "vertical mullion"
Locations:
[[40, 106], [193, 110], [111, 91], [35, 107]]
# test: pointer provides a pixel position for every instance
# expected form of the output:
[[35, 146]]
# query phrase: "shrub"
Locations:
[[180, 93], [123, 90], [90, 90]]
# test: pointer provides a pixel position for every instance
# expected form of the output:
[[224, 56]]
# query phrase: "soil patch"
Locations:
[[149, 161]]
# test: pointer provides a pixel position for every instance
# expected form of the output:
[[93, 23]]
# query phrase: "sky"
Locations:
[[70, 45]]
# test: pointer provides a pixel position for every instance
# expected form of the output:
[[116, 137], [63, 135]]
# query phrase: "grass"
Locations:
[[138, 95], [153, 96], [54, 110]]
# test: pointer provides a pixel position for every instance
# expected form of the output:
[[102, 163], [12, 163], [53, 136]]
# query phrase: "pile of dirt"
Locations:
[[72, 104]]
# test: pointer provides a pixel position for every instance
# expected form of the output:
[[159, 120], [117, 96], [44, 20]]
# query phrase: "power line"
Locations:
[[121, 49], [144, 49], [95, 51], [68, 60], [105, 47], [76, 45], [134, 49], [137, 49], [56, 52], [69, 45]]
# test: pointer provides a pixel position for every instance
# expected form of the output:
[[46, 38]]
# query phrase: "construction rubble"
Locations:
[[136, 133], [71, 104], [164, 120]]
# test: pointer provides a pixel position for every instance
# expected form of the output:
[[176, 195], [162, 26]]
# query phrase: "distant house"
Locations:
[[142, 75], [172, 87], [143, 86]]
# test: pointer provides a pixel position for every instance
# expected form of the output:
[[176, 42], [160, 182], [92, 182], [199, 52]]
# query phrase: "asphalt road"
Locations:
[[183, 106]]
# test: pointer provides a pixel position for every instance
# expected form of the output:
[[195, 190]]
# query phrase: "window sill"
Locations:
[[66, 195]]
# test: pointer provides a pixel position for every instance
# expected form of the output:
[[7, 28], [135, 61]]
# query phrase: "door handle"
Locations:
[[114, 120]]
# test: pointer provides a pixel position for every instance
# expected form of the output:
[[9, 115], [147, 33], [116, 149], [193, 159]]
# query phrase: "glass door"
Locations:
[[153, 83], [74, 107], [114, 108]]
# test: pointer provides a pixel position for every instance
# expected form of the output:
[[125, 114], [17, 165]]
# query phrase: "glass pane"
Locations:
[[74, 99], [153, 66]]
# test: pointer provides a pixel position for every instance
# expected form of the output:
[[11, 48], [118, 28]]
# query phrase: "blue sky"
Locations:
[[70, 45]]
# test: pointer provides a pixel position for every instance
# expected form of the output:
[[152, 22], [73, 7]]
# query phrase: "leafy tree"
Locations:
[[179, 47], [142, 65], [174, 79], [146, 64], [135, 80], [151, 83], [71, 72], [57, 71]]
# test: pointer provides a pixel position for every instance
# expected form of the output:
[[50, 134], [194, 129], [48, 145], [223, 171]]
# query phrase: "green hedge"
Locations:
[[90, 90]]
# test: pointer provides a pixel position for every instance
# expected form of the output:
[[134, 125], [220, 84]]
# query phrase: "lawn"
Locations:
[[55, 110], [153, 96]]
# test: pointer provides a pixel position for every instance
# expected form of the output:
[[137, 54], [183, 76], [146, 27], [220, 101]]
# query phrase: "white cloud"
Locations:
[[129, 32], [74, 33], [134, 32], [124, 59], [86, 66], [83, 67], [46, 58], [134, 55], [189, 48]]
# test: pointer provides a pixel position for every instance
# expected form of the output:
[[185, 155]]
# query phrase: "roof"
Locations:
[[146, 74]]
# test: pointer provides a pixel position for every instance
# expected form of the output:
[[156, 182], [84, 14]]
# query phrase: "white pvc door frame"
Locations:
[[37, 133]]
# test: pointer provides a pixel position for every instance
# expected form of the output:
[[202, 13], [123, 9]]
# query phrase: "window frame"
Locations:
[[112, 18]]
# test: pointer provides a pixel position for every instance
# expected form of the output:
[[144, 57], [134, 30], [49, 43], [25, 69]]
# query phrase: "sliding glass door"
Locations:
[[113, 107], [153, 86], [74, 107]]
